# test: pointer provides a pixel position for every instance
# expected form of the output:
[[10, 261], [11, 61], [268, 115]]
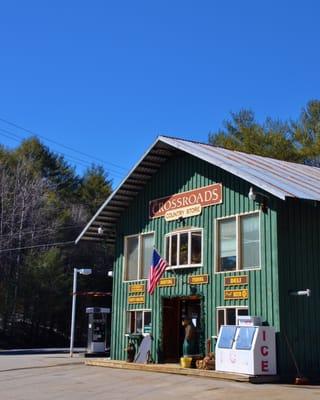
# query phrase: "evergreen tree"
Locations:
[[95, 187], [295, 140], [43, 201], [271, 139], [306, 133]]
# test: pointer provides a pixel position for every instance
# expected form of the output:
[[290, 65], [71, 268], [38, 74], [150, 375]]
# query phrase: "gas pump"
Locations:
[[97, 317]]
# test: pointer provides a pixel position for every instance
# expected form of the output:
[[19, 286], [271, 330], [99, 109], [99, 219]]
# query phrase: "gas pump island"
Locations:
[[246, 348]]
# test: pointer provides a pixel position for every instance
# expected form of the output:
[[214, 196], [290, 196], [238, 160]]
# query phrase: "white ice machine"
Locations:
[[247, 350]]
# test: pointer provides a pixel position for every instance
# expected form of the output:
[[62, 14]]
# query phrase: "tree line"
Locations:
[[291, 140], [44, 201]]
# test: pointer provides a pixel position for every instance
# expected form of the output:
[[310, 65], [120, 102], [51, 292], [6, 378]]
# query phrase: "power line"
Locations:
[[53, 207], [55, 230], [32, 239], [39, 245], [79, 161], [19, 138], [60, 144], [68, 156], [10, 137]]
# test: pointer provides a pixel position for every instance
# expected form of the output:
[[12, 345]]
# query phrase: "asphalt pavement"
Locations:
[[59, 377], [46, 350], [20, 361]]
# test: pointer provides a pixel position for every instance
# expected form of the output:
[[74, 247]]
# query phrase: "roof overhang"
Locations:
[[279, 178], [107, 215]]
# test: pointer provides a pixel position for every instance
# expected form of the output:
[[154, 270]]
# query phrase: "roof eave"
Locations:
[[116, 190]]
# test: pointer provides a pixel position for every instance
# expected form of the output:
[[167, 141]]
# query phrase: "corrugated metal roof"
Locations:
[[281, 178]]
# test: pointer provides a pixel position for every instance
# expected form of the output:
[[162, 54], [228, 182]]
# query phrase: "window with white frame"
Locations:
[[138, 253], [238, 242], [184, 248], [139, 322], [229, 315]]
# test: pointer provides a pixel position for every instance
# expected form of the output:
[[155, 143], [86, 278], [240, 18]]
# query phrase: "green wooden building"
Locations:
[[240, 234]]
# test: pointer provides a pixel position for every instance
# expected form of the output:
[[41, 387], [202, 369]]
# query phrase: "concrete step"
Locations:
[[176, 369]]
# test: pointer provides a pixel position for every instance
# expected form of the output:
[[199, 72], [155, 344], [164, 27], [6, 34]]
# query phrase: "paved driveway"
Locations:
[[46, 378]]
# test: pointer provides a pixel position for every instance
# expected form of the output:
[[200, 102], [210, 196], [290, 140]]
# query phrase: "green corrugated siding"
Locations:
[[299, 254], [180, 174]]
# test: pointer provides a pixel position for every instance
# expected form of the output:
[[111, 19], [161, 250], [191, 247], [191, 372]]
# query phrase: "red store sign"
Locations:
[[197, 198]]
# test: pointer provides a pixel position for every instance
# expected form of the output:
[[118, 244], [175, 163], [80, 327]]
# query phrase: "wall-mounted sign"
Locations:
[[187, 203], [136, 288], [241, 294], [136, 300], [165, 282], [236, 280], [198, 279], [184, 212]]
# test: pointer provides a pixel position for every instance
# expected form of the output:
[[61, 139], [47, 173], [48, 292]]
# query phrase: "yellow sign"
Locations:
[[137, 288], [136, 300], [236, 280], [184, 212], [198, 279], [236, 294], [165, 282]]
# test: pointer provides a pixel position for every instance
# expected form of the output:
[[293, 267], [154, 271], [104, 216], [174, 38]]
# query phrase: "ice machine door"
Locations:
[[226, 336], [245, 337]]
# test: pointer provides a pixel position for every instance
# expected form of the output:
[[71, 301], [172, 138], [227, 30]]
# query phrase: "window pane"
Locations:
[[147, 242], [132, 258], [196, 247], [220, 319], [138, 322], [147, 322], [227, 245], [168, 250], [242, 311], [130, 321], [231, 316], [174, 250], [250, 244], [183, 249]]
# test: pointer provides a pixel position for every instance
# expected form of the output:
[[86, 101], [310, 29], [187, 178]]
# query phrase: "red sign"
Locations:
[[204, 197], [264, 352]]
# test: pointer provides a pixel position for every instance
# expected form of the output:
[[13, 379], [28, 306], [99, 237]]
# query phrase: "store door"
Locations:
[[173, 331]]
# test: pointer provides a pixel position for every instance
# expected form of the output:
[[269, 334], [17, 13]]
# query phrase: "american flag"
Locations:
[[157, 268]]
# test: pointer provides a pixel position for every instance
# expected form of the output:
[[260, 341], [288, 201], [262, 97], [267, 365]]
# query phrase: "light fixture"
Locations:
[[252, 195], [85, 271], [100, 230], [305, 292], [110, 274]]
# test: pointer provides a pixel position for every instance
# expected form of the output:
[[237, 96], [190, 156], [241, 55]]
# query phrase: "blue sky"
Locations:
[[106, 77]]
